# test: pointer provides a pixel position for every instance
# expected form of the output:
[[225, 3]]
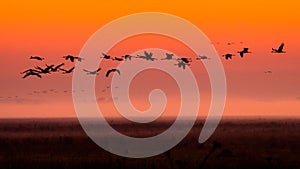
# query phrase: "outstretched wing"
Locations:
[[242, 54], [146, 53], [86, 71], [108, 72], [38, 75], [58, 66], [26, 75], [71, 69], [37, 67], [118, 71], [36, 57], [63, 69], [281, 47]]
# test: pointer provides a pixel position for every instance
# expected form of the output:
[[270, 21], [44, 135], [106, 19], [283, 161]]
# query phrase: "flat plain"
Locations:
[[236, 143]]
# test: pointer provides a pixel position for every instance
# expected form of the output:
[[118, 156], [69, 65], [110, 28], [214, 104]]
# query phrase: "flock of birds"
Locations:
[[182, 62], [246, 50], [38, 71]]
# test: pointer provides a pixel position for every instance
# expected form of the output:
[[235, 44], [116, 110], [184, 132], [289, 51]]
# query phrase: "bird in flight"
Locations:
[[182, 64], [105, 56], [30, 71], [79, 59], [245, 50], [56, 68], [32, 74], [169, 56], [185, 60], [67, 71], [112, 70], [268, 71], [36, 58], [147, 56], [202, 57], [46, 70], [118, 59], [72, 58], [279, 50], [92, 72], [127, 57], [228, 56]]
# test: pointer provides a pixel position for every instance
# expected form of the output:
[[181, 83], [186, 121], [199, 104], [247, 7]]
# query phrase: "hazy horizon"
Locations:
[[50, 31]]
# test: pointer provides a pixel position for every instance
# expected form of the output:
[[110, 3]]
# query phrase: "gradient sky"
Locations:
[[52, 29]]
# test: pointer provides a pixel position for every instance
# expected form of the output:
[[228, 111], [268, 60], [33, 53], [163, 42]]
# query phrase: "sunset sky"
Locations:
[[52, 29]]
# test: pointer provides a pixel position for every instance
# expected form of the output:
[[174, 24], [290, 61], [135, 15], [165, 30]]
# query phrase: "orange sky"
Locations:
[[53, 29]]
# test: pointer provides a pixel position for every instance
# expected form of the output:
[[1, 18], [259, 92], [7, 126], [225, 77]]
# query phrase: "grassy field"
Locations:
[[237, 143]]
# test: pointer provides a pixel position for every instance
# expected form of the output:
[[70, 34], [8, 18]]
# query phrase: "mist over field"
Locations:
[[237, 143]]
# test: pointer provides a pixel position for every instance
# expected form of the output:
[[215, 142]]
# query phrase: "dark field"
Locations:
[[61, 143]]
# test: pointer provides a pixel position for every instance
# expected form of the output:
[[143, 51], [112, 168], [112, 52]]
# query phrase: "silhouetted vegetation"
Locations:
[[61, 143]]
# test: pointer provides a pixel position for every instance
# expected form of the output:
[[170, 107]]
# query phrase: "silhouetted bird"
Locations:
[[31, 71], [181, 64], [169, 56], [32, 74], [202, 57], [105, 56], [268, 71], [70, 57], [46, 70], [118, 59], [245, 50], [80, 59], [127, 57], [67, 71], [56, 68], [92, 72], [112, 70], [279, 50], [36, 58], [228, 56], [186, 60], [230, 43], [148, 56]]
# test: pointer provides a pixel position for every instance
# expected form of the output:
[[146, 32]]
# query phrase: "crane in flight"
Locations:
[[32, 74], [147, 56], [245, 50], [36, 58], [105, 56], [182, 64], [30, 71], [228, 56], [268, 71], [46, 70], [127, 57], [169, 56], [72, 58], [279, 50], [56, 68], [203, 57], [185, 60], [95, 72], [112, 70], [67, 71], [118, 59]]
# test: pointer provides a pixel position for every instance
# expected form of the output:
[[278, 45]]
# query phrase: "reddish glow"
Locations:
[[53, 29]]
